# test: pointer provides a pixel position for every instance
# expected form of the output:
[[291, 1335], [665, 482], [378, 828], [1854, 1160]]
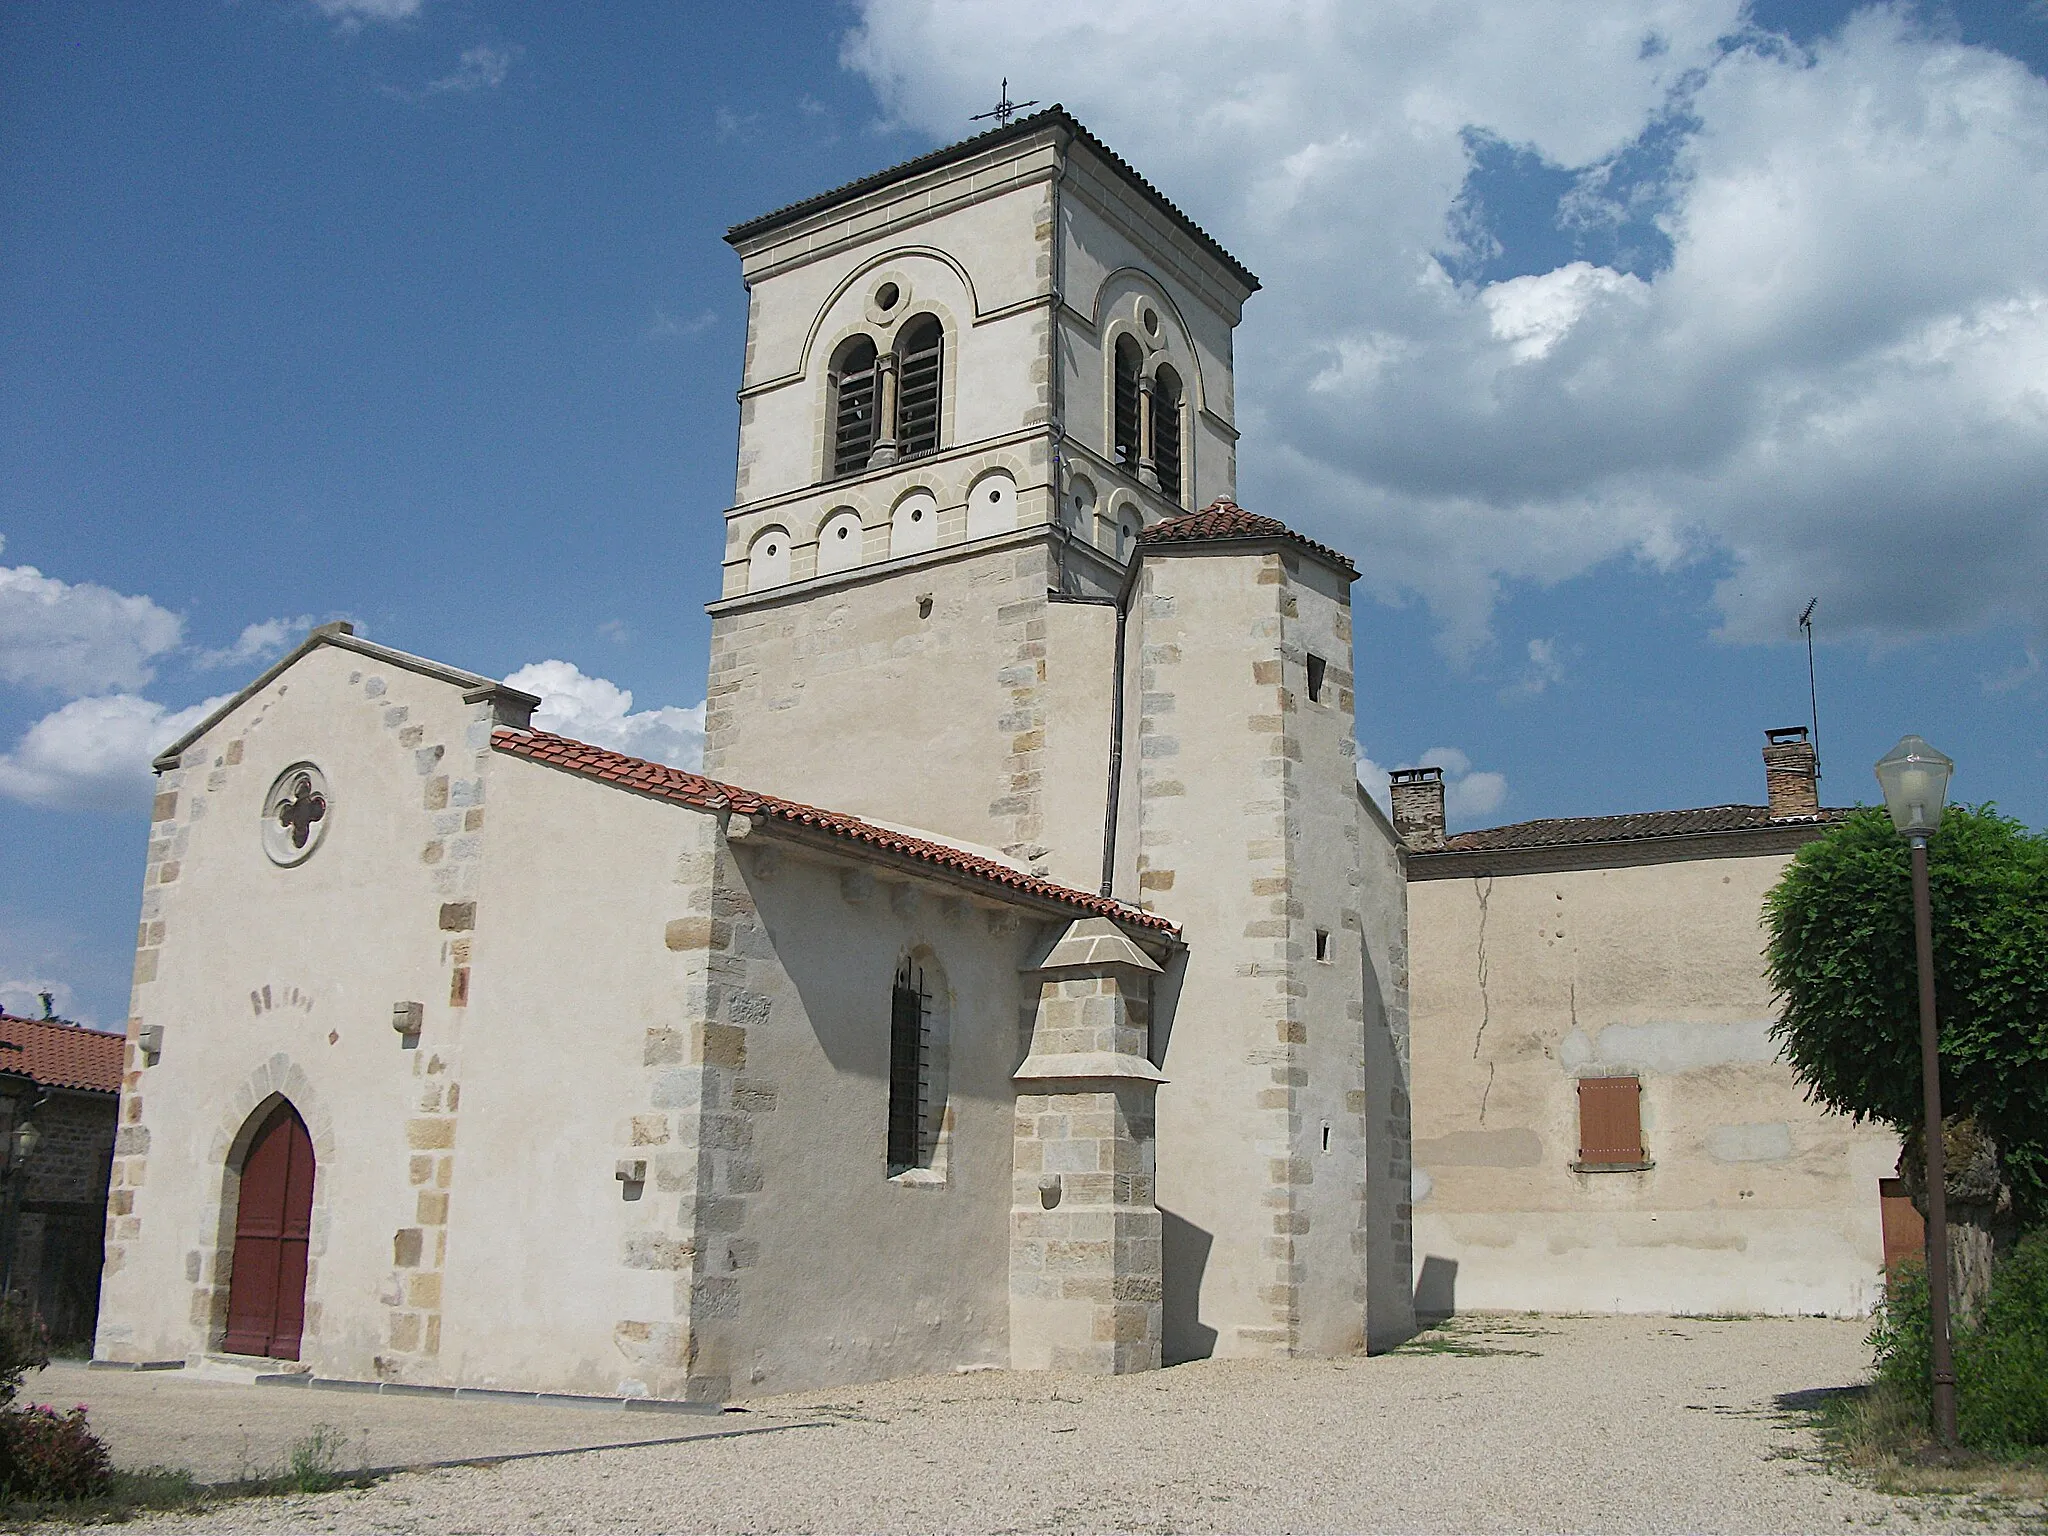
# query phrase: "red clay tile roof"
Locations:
[[666, 783], [1571, 830], [1224, 519], [60, 1055]]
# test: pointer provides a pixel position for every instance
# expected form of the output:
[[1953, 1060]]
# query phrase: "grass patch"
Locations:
[[314, 1464], [1472, 1338], [1879, 1434]]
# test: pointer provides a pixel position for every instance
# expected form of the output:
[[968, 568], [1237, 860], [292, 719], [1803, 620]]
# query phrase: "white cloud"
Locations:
[[666, 324], [78, 639], [94, 753], [22, 996], [481, 68], [1545, 668], [1468, 794], [353, 13], [257, 642], [1835, 387], [595, 710]]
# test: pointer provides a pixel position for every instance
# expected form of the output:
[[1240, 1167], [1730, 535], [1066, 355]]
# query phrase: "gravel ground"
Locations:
[[222, 1430], [1519, 1425]]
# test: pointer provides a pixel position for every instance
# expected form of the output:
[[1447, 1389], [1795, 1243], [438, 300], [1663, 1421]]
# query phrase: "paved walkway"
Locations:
[[1521, 1425]]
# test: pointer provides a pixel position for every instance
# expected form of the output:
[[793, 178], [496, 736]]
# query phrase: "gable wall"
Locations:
[[1758, 1202], [268, 980]]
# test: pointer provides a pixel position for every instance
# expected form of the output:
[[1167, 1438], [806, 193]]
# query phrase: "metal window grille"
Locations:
[[1610, 1120], [910, 1055], [853, 404], [1166, 433], [1126, 424], [917, 399]]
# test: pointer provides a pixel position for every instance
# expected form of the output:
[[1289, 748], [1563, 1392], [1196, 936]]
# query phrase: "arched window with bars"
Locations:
[[1166, 457], [920, 353], [854, 406], [917, 1064], [1130, 365]]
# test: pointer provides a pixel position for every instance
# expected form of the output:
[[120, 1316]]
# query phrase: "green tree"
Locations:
[[1840, 954]]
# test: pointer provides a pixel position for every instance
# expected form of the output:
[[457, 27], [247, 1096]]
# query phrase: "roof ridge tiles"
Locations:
[[1224, 521], [667, 782], [1627, 826]]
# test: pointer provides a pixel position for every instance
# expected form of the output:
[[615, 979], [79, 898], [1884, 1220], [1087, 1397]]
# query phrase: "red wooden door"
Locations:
[[273, 1222]]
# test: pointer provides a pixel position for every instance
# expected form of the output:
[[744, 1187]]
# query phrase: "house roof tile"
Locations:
[[1224, 521], [666, 783], [1576, 830], [61, 1055]]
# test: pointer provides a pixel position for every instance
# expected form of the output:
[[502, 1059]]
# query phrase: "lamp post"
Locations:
[[1915, 780]]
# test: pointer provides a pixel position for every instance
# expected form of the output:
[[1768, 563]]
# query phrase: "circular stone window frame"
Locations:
[[278, 846], [872, 306]]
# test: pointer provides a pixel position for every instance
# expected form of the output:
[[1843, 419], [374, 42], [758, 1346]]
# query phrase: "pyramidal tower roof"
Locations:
[[1053, 118]]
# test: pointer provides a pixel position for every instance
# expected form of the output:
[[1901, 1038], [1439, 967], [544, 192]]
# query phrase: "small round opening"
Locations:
[[995, 495], [771, 546], [886, 296], [917, 514], [842, 530], [1151, 318]]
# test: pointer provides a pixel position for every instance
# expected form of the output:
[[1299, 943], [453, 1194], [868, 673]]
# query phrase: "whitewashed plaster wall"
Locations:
[[1759, 1201], [267, 979], [1244, 832]]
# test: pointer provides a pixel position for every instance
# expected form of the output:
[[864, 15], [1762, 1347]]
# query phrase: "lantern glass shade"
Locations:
[[26, 1140], [1915, 780]]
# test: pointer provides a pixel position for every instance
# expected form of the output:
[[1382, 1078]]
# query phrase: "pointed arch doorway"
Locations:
[[273, 1229]]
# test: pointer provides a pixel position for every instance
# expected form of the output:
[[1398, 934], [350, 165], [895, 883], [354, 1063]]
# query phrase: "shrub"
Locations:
[[24, 1347], [2002, 1362], [47, 1455], [2001, 1359]]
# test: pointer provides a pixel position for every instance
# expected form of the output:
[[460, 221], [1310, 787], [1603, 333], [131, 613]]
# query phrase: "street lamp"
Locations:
[[1915, 780]]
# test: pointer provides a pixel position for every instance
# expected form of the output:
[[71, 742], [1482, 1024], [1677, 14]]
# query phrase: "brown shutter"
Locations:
[[1610, 1120]]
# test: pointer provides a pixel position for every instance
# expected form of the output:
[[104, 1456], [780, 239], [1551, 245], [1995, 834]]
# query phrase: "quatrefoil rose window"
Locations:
[[296, 815]]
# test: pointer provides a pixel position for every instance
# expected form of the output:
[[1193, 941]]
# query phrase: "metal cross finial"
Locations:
[[1004, 109], [298, 813]]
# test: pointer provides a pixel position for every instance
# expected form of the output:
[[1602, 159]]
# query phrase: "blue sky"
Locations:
[[1601, 349]]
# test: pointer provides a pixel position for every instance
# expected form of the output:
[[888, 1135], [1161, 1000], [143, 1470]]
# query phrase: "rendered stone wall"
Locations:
[[273, 982], [1757, 1202], [1244, 829]]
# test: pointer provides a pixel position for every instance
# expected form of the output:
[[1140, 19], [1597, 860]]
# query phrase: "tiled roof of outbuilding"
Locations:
[[1224, 520], [693, 789], [61, 1055], [1022, 128], [1575, 830]]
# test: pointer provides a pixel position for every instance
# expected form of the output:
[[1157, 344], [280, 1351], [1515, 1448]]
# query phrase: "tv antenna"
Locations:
[[1812, 691], [1004, 109]]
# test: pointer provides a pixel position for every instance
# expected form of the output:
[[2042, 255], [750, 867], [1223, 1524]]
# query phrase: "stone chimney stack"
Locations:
[[1417, 795], [1791, 773]]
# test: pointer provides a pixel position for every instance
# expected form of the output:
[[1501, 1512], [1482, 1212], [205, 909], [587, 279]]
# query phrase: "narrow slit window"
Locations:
[[1124, 425], [1610, 1122], [854, 419], [910, 1069], [921, 350], [1166, 433], [1323, 945], [1317, 669]]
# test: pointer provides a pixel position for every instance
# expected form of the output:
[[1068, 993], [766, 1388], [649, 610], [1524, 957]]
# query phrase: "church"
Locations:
[[1024, 980]]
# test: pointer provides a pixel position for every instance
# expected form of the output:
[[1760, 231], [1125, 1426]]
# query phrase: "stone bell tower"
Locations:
[[971, 381]]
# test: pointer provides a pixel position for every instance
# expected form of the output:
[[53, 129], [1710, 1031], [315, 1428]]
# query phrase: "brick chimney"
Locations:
[[1417, 795], [1791, 773]]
